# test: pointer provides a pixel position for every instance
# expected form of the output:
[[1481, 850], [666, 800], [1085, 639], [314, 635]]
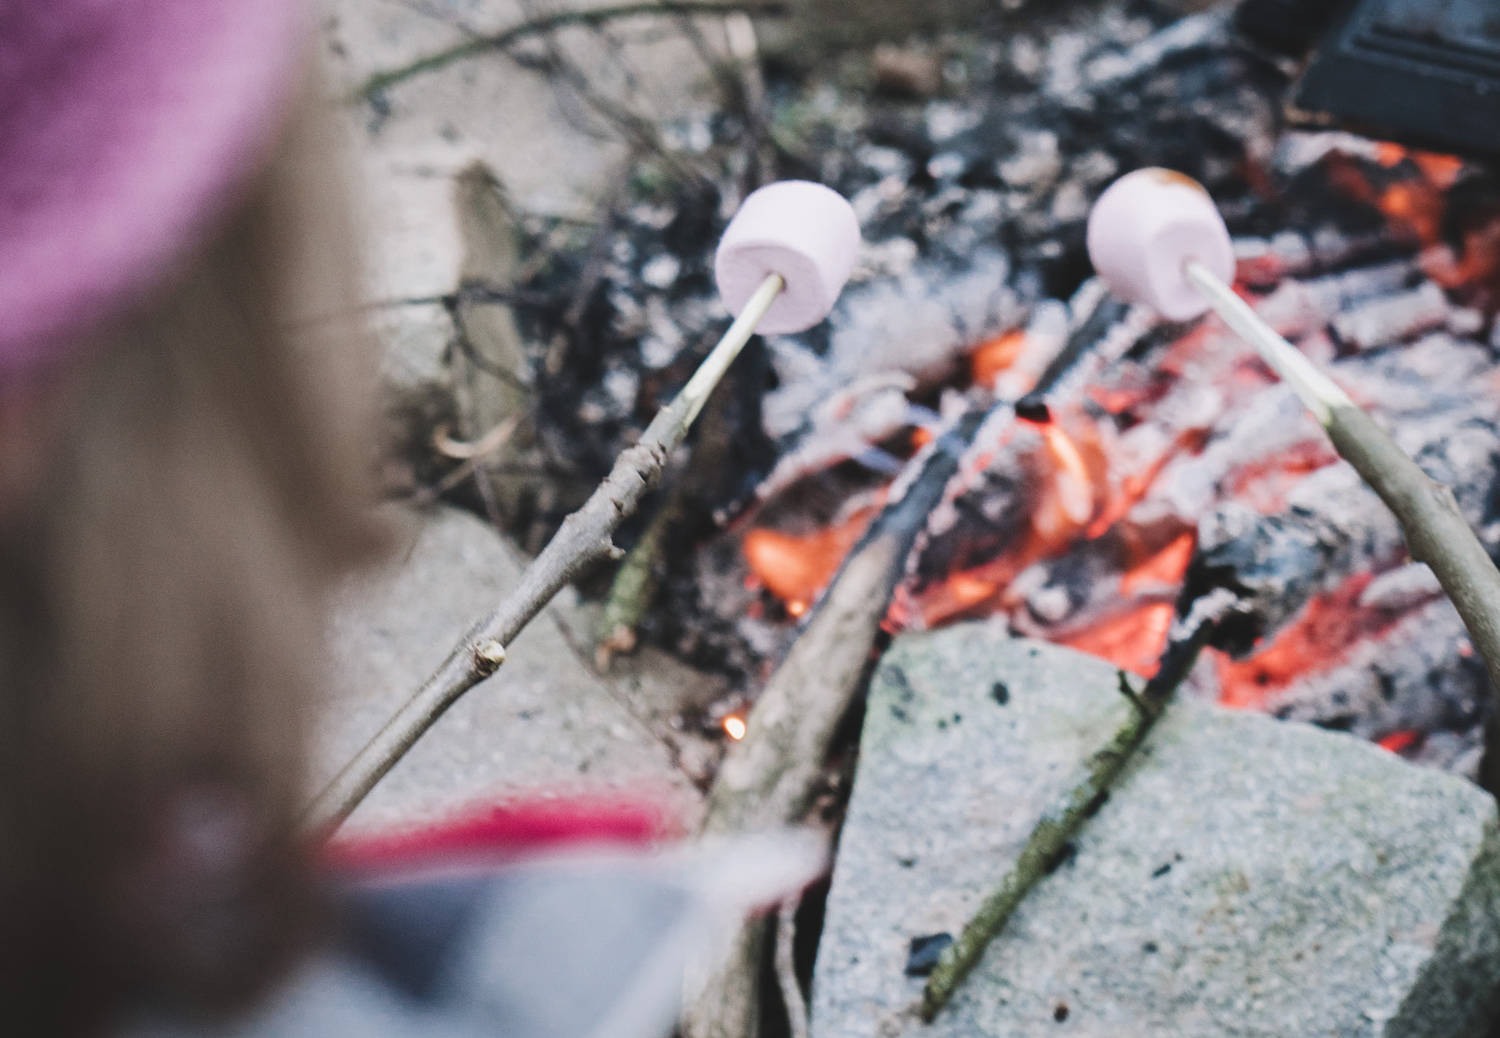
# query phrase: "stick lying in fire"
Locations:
[[1156, 237], [780, 267]]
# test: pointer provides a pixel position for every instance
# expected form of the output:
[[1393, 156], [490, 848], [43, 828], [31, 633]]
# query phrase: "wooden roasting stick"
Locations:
[[1436, 531], [1156, 237], [780, 267]]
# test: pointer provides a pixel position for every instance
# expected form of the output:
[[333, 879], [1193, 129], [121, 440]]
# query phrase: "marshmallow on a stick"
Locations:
[[1143, 231], [805, 232]]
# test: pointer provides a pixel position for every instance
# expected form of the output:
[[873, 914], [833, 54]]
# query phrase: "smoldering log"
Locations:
[[1437, 400], [1419, 675], [770, 777]]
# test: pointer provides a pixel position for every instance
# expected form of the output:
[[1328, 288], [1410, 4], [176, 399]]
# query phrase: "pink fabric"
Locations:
[[125, 126]]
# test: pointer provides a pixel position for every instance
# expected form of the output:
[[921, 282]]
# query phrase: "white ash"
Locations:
[[661, 271], [884, 259], [1412, 676], [621, 385], [946, 166], [1393, 318], [917, 325], [1299, 150], [845, 426], [665, 340], [1402, 588], [1037, 164], [888, 162], [1189, 33], [947, 119]]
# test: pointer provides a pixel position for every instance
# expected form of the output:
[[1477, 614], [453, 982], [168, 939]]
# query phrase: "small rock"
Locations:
[[906, 71], [923, 953]]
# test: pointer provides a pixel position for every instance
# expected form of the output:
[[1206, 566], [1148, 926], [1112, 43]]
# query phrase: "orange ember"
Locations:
[[1166, 567], [1416, 206], [1399, 741], [1132, 640], [1075, 501], [1314, 642], [797, 567], [996, 355], [1414, 203], [1077, 483], [1265, 484]]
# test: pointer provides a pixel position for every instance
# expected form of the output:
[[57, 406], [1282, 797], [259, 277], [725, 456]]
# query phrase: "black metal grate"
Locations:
[[1424, 72]]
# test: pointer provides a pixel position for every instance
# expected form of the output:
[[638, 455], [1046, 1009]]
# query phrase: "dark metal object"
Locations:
[[1288, 27], [923, 953], [1423, 72]]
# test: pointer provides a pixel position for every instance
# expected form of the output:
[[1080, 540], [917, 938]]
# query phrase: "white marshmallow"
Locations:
[[1145, 227], [803, 231]]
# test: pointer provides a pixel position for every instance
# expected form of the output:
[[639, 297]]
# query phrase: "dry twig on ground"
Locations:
[[544, 24]]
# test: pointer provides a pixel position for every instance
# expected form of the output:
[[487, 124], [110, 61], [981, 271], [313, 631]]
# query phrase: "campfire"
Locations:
[[994, 423], [1100, 503], [1167, 463]]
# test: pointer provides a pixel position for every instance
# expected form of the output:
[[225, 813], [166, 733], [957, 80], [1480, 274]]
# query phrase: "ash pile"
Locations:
[[1166, 466]]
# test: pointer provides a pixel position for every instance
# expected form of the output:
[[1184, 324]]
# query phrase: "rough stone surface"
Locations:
[[544, 722], [1247, 877], [553, 153]]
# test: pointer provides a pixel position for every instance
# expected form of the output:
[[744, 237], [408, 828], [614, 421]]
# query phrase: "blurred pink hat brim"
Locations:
[[126, 127]]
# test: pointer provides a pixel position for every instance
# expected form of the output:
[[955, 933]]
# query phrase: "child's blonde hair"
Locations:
[[196, 478]]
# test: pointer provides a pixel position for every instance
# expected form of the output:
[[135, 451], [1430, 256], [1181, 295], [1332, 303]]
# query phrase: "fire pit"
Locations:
[[981, 431], [1166, 464]]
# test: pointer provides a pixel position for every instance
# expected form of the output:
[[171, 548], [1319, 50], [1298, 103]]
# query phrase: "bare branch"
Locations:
[[559, 20], [583, 539]]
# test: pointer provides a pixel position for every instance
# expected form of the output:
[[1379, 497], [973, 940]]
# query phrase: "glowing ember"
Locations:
[[996, 355], [1132, 641], [1399, 742], [1164, 569], [1078, 480], [1265, 484], [1080, 470], [1074, 488], [1314, 642], [796, 568]]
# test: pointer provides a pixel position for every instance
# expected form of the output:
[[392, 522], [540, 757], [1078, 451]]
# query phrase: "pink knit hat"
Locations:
[[125, 127]]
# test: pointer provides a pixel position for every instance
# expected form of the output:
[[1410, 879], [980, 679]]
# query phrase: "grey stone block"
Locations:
[[1246, 877]]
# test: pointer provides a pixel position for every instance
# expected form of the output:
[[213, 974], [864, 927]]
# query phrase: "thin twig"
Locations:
[[583, 538], [786, 969], [559, 20], [636, 583]]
